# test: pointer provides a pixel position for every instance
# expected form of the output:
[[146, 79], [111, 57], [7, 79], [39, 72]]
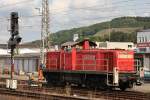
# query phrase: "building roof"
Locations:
[[29, 46], [146, 30], [28, 50], [78, 43], [4, 46], [117, 42], [3, 52], [70, 43], [29, 55], [21, 51]]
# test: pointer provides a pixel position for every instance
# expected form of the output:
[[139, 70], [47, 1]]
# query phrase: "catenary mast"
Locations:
[[44, 30]]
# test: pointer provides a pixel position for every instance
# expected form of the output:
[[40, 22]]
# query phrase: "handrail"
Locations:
[[54, 63]]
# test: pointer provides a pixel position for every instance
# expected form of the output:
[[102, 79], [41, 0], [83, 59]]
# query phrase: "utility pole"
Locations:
[[44, 29], [44, 32]]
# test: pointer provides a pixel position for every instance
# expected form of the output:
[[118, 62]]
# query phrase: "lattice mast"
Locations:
[[45, 29]]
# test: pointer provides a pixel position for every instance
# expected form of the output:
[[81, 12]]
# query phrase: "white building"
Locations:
[[26, 60], [143, 41], [143, 47], [115, 45]]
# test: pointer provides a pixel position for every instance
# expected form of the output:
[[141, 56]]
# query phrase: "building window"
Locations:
[[142, 49], [142, 39], [139, 39], [145, 39]]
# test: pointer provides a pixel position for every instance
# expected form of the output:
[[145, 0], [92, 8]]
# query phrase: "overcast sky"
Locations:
[[65, 14]]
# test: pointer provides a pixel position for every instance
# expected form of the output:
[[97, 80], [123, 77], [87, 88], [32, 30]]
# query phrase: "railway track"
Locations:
[[60, 93], [39, 95], [96, 94], [111, 95]]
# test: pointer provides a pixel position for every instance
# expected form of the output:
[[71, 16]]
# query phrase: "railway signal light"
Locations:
[[14, 23], [11, 43], [15, 39]]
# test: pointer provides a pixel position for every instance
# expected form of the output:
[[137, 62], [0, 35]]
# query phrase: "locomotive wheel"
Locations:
[[130, 84], [80, 85], [90, 85], [123, 86], [103, 86]]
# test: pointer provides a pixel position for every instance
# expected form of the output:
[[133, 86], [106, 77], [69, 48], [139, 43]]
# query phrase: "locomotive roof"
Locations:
[[78, 43], [90, 42], [70, 43]]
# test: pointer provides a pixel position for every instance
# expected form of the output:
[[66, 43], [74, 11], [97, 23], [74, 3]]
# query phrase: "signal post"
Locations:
[[13, 42]]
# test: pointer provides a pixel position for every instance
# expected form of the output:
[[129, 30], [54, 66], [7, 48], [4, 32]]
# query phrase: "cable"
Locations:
[[94, 5], [13, 4], [71, 14], [100, 8], [32, 16], [79, 8], [114, 5]]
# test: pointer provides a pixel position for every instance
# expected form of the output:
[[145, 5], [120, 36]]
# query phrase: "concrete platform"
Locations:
[[17, 77], [145, 87]]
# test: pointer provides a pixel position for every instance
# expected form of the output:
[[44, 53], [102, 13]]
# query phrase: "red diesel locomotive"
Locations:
[[91, 67]]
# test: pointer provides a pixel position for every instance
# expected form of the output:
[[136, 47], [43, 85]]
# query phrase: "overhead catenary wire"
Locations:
[[32, 16], [97, 5], [16, 3], [83, 8], [96, 10], [77, 9], [83, 19], [100, 9]]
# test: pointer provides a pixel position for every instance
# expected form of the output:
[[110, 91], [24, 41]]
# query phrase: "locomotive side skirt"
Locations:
[[87, 78]]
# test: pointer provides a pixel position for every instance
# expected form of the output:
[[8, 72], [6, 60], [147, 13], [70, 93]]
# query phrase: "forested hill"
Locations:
[[120, 29]]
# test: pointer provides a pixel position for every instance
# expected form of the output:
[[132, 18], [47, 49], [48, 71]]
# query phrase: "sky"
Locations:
[[65, 14]]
